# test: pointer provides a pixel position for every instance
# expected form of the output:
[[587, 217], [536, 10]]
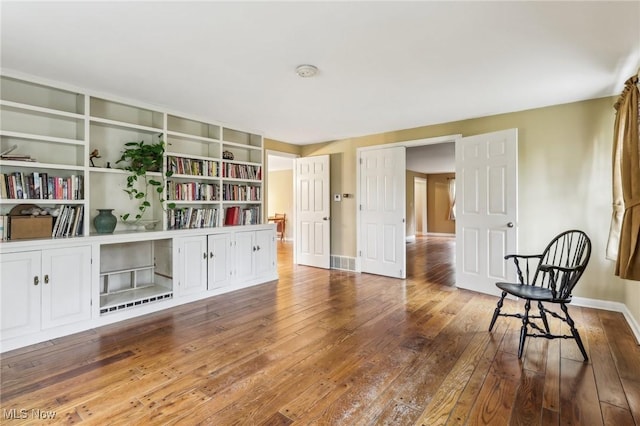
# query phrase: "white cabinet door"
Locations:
[[265, 261], [221, 260], [20, 294], [66, 286], [193, 265], [245, 246]]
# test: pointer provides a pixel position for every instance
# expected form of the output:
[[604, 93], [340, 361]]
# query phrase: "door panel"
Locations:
[[20, 293], [245, 246], [66, 287], [382, 211], [312, 225], [486, 225], [221, 260], [193, 261]]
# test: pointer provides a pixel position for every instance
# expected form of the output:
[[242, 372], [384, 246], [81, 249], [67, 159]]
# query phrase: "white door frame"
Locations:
[[407, 144]]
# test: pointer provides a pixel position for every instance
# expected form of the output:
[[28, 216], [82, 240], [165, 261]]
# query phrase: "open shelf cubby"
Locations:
[[135, 273]]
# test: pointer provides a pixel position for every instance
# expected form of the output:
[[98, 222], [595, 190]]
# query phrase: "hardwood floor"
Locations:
[[331, 347]]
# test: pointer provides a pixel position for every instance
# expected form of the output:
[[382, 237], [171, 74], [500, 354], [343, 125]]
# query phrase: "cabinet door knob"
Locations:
[[46, 279], [254, 248], [36, 280], [204, 255], [258, 248], [211, 254]]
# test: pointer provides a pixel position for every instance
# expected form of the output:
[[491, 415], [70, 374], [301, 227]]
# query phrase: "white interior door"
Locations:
[[312, 241], [486, 209], [382, 211]]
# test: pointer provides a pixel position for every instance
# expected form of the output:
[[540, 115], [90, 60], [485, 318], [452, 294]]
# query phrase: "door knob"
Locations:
[[325, 218], [510, 225]]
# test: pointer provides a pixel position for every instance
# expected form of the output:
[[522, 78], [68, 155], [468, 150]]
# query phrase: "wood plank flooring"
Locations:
[[330, 348]]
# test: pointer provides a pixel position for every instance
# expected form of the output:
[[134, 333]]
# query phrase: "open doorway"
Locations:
[[431, 248], [279, 207]]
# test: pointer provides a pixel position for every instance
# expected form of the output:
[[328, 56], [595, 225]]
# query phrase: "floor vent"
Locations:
[[343, 262], [127, 305]]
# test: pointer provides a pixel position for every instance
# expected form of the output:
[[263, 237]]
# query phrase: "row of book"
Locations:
[[235, 215], [41, 186], [241, 171], [192, 191], [189, 166], [232, 192], [69, 222], [191, 218]]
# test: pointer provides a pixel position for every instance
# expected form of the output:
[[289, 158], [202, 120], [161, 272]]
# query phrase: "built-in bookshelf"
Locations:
[[61, 146], [217, 175], [43, 149]]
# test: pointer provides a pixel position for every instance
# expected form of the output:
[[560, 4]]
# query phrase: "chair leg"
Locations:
[[496, 312], [523, 330], [543, 315], [574, 331]]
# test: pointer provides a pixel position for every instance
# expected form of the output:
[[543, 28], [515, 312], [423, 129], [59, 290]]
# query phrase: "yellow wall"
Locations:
[[564, 182], [438, 204]]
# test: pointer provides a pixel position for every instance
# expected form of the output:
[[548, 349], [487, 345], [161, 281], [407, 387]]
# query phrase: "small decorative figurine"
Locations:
[[94, 154]]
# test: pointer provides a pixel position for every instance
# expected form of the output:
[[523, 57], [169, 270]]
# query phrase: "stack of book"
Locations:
[[40, 186], [188, 166], [231, 192], [17, 157], [69, 222], [234, 215], [192, 191], [190, 218]]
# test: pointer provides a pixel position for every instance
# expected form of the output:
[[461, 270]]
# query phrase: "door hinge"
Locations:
[[360, 160], [360, 253], [360, 207], [403, 220]]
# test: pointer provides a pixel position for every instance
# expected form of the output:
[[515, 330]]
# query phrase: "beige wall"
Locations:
[[411, 201], [438, 204], [564, 182], [280, 193]]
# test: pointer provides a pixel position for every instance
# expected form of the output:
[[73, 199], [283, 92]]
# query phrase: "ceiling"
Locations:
[[383, 66]]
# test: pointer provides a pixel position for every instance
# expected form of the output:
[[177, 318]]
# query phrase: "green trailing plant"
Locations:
[[143, 158]]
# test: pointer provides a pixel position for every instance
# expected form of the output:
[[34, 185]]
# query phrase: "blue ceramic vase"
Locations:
[[105, 222]]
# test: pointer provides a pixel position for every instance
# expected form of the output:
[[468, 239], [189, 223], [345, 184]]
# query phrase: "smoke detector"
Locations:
[[306, 71]]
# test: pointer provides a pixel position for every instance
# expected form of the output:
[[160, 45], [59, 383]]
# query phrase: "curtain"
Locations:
[[452, 199], [626, 184]]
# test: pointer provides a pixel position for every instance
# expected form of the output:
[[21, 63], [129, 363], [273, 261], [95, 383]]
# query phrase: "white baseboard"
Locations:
[[610, 306], [410, 238]]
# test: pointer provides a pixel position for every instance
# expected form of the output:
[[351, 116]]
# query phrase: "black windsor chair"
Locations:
[[555, 274]]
